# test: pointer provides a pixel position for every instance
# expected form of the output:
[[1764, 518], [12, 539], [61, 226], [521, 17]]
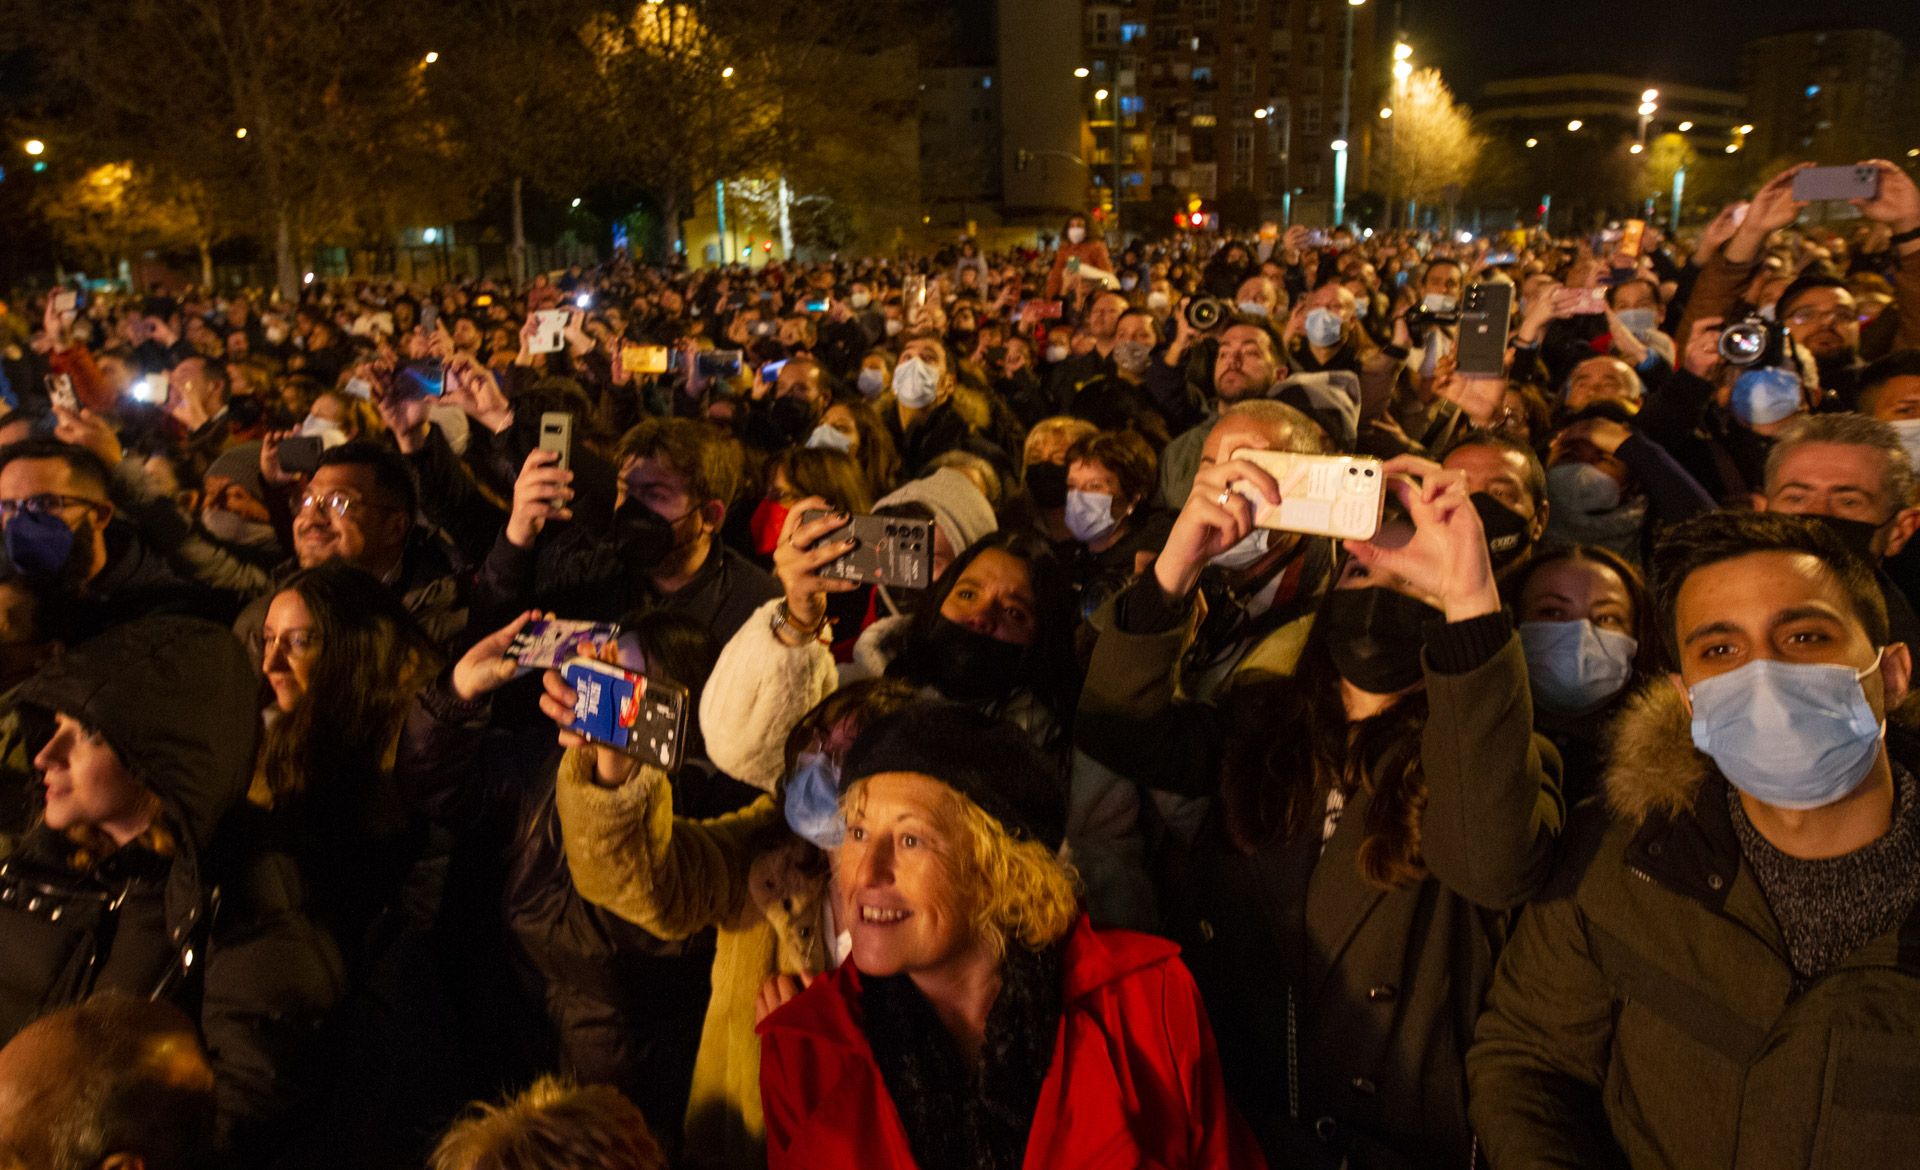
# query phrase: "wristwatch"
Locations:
[[782, 620]]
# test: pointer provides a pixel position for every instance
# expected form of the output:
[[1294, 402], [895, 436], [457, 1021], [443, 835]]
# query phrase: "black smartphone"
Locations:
[[887, 550], [1485, 314], [720, 363], [300, 454]]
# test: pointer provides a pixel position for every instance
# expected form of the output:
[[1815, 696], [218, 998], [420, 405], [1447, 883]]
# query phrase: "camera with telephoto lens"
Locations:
[[1420, 318], [1204, 313], [1747, 341]]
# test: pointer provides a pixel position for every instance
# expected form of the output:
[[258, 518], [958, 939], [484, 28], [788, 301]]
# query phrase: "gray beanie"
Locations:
[[959, 510]]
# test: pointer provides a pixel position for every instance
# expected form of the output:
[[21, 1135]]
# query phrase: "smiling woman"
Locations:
[[980, 1020]]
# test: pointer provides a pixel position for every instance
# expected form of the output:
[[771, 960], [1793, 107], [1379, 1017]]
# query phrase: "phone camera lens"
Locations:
[[1369, 473]]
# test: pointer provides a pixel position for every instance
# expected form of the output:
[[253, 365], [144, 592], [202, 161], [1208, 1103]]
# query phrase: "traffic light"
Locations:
[[1180, 219]]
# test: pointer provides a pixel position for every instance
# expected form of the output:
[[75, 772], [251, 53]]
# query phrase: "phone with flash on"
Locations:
[[1342, 496], [556, 434]]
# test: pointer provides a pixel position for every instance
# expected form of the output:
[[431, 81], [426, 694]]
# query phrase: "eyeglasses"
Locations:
[[1831, 316], [296, 643], [337, 503], [44, 503]]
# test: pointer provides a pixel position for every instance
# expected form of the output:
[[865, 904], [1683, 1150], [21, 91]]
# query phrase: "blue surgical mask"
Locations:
[[1766, 395], [812, 801], [1089, 515], [1639, 322], [1582, 489], [1244, 552], [830, 438], [1252, 308], [39, 544], [1794, 735], [1576, 666], [1324, 327], [872, 381], [915, 383]]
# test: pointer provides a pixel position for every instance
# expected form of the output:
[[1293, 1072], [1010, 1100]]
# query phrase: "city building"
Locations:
[[1607, 108], [960, 143], [1830, 96]]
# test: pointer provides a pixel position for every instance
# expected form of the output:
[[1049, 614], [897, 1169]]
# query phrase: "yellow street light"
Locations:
[[1733, 147], [1649, 95], [432, 57], [1386, 111], [35, 147], [1402, 50], [1261, 112], [1636, 148], [1647, 109], [1573, 127], [1402, 70], [1746, 129], [240, 133], [727, 72], [1099, 95], [1083, 71], [1532, 142]]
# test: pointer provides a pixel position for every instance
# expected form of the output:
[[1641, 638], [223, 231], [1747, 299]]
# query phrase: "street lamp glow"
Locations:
[[432, 57], [1356, 3], [1733, 147], [1402, 50], [1685, 126], [1573, 127], [1261, 112], [35, 147], [1647, 109], [575, 203], [1386, 111], [1532, 142], [240, 133], [430, 236], [1650, 95], [1914, 153], [1099, 95], [1746, 129], [1083, 71], [1339, 145], [1402, 70], [727, 72], [1636, 148]]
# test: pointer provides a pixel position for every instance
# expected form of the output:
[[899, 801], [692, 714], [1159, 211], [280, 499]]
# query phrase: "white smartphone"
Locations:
[[549, 331], [556, 434], [1341, 496]]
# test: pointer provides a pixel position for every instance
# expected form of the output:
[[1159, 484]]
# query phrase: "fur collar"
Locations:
[[1653, 766]]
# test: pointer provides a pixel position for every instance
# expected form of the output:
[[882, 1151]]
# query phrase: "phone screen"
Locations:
[[423, 379]]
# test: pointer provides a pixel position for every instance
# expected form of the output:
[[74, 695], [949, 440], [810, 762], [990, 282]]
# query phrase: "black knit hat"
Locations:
[[989, 761]]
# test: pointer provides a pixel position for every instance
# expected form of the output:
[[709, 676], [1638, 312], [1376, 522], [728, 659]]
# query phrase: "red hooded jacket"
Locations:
[[1135, 1082]]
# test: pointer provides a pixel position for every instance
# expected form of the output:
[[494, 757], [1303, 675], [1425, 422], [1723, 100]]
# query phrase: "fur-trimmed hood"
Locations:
[[1654, 768]]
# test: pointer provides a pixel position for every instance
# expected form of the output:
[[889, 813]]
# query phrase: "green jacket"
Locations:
[[1643, 1013]]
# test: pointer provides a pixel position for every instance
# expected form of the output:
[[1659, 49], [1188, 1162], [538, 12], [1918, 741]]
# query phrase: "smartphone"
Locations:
[[895, 551], [1496, 259], [1631, 234], [720, 363], [1818, 184], [1341, 496], [66, 303], [817, 305], [628, 712], [1740, 213], [300, 454], [549, 331], [550, 643], [60, 392], [1579, 302], [770, 373], [1485, 314], [644, 359], [556, 434], [1042, 311], [913, 292], [423, 379]]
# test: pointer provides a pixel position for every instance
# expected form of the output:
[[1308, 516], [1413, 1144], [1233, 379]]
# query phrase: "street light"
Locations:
[[1261, 112], [1346, 115], [1636, 148], [1684, 127], [1745, 130], [727, 72], [1402, 70], [1647, 109], [1733, 147], [1532, 142], [1339, 144], [1402, 51], [1573, 127], [432, 57], [1386, 112], [35, 147], [576, 202], [1649, 95], [1099, 95], [1082, 72], [240, 133]]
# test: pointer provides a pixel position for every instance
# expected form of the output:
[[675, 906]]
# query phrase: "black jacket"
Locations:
[[216, 927]]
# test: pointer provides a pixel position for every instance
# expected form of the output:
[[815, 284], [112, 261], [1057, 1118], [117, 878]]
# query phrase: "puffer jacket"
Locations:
[[216, 926], [1645, 1012]]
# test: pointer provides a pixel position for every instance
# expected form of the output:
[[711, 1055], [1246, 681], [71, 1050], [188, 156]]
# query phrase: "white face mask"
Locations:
[[872, 381], [330, 433], [1159, 302], [1076, 235], [1909, 431], [915, 383], [1057, 353], [860, 300], [894, 326], [1247, 550], [1089, 515], [1440, 302], [830, 438]]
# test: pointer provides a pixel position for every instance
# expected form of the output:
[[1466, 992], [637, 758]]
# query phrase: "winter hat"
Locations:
[[959, 510], [987, 760], [241, 465]]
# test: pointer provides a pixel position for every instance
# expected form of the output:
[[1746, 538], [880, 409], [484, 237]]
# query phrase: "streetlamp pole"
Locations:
[[1344, 143], [1118, 236]]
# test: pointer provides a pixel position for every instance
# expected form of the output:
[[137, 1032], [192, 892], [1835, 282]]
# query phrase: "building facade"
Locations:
[[1829, 96]]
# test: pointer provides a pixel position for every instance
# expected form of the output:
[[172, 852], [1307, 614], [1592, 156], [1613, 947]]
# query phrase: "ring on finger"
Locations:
[[1226, 493]]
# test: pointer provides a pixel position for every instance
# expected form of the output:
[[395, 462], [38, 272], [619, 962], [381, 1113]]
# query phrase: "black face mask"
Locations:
[[1855, 534], [1047, 484], [962, 664], [642, 535], [1375, 636], [1509, 536], [791, 417]]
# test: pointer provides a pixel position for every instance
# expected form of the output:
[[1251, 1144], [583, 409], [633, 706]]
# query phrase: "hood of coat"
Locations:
[[178, 700], [878, 645], [1653, 768]]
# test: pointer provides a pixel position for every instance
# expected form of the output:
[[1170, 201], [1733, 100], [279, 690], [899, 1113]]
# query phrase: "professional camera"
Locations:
[[1420, 318], [1746, 342], [1204, 313]]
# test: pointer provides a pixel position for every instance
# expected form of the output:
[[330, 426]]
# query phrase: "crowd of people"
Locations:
[[1570, 819]]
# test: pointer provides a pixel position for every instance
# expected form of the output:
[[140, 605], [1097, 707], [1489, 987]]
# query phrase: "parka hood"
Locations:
[[177, 698]]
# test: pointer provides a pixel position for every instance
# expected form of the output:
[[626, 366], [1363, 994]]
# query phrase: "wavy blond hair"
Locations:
[[554, 1125], [1022, 891]]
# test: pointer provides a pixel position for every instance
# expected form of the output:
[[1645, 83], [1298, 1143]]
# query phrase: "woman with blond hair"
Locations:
[[980, 1020]]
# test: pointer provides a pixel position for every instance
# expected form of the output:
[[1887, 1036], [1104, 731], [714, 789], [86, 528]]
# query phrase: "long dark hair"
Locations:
[[1049, 667], [1288, 741], [373, 659]]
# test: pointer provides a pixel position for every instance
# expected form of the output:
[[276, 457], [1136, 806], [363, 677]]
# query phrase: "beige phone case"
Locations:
[[1326, 495]]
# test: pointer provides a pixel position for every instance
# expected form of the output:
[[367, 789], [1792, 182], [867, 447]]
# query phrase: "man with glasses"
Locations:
[[360, 508], [60, 533]]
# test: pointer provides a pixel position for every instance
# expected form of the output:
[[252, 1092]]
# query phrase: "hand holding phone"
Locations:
[[549, 331], [1446, 556], [894, 551], [549, 643], [1341, 496], [637, 716], [1837, 184]]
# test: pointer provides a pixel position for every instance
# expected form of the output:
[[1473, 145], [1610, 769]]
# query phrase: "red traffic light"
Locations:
[[1179, 219]]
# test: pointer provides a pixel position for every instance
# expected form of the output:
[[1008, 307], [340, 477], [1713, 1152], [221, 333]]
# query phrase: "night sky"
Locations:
[[1474, 41]]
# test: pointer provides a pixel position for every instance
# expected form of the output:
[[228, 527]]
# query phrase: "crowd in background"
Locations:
[[1569, 820]]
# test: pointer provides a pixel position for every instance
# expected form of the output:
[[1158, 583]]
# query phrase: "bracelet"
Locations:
[[1906, 237], [783, 620]]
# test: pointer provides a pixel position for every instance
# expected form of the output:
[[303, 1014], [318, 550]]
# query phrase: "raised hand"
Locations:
[[1447, 554]]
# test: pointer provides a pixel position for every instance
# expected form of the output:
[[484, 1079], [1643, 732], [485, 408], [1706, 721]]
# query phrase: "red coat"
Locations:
[[1135, 1081]]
